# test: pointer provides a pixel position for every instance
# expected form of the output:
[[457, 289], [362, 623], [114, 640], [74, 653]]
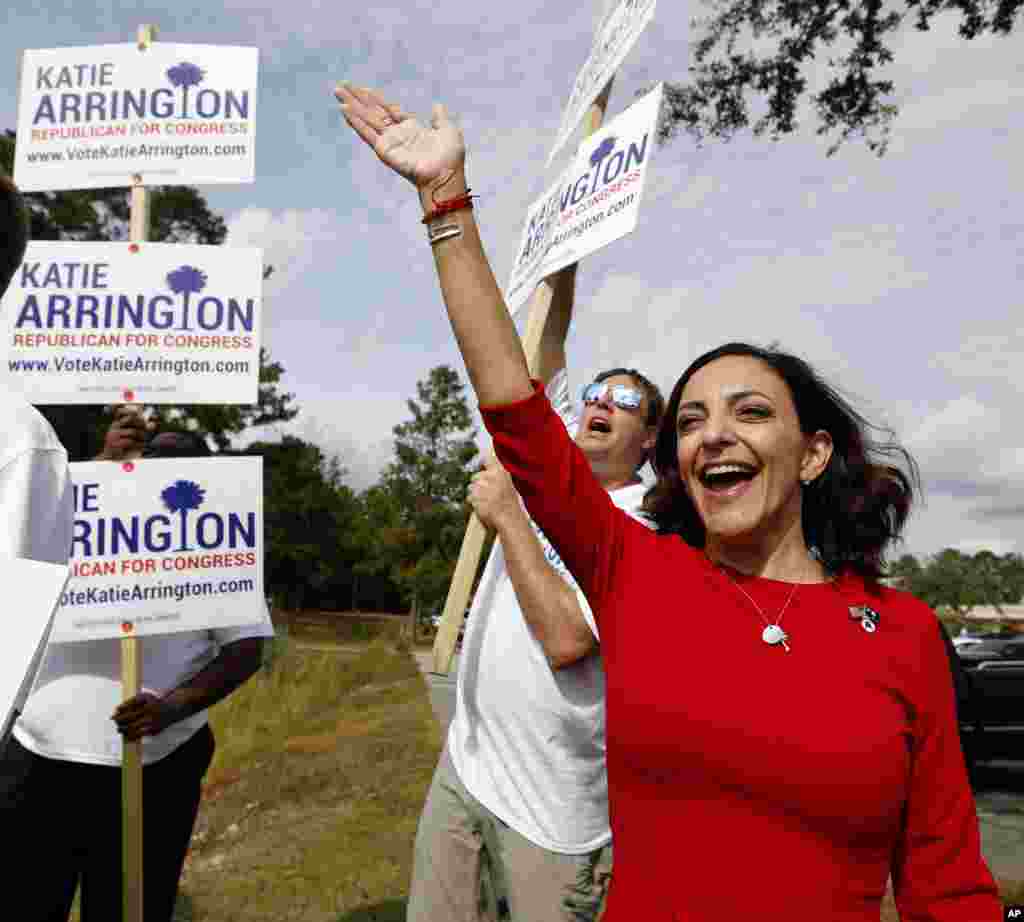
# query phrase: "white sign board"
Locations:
[[615, 37], [125, 322], [164, 545], [595, 201], [94, 117], [31, 592]]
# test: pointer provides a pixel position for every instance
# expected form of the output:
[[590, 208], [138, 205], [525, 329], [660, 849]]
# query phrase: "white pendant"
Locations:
[[773, 634]]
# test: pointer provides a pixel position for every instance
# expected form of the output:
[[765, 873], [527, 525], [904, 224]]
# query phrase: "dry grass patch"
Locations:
[[315, 791]]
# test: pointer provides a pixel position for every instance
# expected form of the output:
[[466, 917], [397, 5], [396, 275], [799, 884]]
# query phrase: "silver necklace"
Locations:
[[773, 632]]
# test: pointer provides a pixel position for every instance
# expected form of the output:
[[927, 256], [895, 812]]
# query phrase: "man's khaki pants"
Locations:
[[469, 866]]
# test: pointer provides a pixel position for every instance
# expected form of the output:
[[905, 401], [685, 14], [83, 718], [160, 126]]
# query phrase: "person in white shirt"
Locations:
[[60, 795], [35, 489], [515, 824]]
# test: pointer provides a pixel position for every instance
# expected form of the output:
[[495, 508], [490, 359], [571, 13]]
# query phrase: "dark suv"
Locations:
[[994, 712]]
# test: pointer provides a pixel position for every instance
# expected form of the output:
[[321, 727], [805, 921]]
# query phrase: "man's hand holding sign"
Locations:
[[130, 436], [126, 437]]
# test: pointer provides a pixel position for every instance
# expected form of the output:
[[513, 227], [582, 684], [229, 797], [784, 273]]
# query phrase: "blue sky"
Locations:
[[899, 278]]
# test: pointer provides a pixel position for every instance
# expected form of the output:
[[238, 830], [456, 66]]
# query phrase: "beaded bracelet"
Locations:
[[447, 206]]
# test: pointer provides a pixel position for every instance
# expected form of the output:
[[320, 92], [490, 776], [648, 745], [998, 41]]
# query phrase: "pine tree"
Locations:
[[427, 484]]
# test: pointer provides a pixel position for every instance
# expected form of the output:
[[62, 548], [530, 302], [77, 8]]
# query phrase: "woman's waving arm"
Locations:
[[433, 159]]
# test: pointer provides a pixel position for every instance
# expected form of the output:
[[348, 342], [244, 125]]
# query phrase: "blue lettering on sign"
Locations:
[[72, 75], [80, 310], [636, 154], [96, 106], [616, 160], [110, 536], [607, 167], [538, 227]]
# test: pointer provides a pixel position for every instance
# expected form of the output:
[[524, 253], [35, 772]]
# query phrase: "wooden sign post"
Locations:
[[131, 672], [461, 586]]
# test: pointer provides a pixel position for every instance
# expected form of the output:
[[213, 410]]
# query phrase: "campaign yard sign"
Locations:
[[125, 322], [595, 201], [616, 35], [31, 592], [163, 545], [95, 117]]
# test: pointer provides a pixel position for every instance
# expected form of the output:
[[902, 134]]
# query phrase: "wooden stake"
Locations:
[[131, 653], [131, 792], [473, 540]]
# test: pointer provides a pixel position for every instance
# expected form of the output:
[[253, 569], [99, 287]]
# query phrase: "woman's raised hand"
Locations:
[[421, 154]]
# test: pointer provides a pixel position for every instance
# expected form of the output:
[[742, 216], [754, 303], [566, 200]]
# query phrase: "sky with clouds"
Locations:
[[900, 278]]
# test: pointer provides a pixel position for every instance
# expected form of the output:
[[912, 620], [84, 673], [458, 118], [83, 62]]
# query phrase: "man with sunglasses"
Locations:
[[68, 743], [516, 820]]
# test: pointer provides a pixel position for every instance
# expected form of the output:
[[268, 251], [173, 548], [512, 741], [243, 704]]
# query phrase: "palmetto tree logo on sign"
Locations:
[[183, 496], [602, 150], [185, 75], [186, 281]]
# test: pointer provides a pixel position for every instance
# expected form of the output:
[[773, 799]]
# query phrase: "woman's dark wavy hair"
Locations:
[[851, 512]]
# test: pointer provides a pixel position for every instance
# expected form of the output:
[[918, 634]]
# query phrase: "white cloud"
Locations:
[[946, 521], [963, 442], [289, 239], [998, 546], [697, 191], [1007, 465], [993, 357], [362, 460]]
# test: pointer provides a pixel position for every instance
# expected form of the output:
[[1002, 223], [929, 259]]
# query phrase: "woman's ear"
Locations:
[[816, 456]]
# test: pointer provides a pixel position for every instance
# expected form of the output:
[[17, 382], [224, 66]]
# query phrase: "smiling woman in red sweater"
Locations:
[[790, 778]]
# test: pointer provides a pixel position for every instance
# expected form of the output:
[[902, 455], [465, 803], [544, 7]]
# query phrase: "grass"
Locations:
[[311, 803], [341, 628]]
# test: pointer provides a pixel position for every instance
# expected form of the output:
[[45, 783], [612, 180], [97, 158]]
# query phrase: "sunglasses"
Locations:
[[622, 395]]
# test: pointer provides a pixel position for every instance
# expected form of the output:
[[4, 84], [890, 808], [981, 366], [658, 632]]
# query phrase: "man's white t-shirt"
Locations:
[[527, 741], [68, 714]]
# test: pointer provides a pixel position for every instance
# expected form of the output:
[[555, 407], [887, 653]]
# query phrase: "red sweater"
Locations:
[[746, 782]]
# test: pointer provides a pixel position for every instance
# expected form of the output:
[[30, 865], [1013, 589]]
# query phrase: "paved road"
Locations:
[[1000, 789], [1000, 800], [442, 688]]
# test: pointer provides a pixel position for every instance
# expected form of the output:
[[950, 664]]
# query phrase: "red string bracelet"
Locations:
[[448, 205]]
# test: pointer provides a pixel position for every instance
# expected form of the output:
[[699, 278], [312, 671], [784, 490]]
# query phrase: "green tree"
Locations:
[[950, 582], [380, 538], [179, 214], [434, 450], [906, 572], [426, 485], [310, 518], [854, 38], [959, 582], [1011, 575], [223, 421]]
